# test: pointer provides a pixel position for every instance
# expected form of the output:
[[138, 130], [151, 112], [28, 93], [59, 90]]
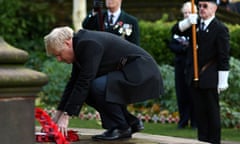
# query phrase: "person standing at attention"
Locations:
[[213, 51], [179, 44], [108, 73], [115, 21]]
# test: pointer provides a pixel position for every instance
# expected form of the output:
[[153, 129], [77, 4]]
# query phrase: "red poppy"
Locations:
[[50, 132]]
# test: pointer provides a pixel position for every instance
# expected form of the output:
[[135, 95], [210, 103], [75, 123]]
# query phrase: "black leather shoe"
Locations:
[[114, 134], [137, 126]]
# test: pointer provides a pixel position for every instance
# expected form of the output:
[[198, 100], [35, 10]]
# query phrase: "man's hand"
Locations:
[[57, 116], [63, 123], [222, 80], [193, 18]]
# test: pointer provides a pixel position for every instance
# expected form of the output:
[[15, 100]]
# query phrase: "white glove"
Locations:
[[187, 22], [193, 18], [63, 123], [222, 80]]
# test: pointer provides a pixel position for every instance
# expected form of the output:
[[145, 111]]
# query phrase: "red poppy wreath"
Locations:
[[50, 132]]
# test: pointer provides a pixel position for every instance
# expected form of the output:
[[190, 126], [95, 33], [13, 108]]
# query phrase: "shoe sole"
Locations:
[[137, 130]]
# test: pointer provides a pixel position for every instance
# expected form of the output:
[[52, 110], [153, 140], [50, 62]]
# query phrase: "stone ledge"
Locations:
[[138, 138]]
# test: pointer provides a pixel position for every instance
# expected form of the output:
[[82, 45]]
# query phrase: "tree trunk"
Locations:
[[79, 13]]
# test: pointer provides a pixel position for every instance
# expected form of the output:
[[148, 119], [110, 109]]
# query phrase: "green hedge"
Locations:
[[230, 99], [234, 40], [154, 38], [58, 74]]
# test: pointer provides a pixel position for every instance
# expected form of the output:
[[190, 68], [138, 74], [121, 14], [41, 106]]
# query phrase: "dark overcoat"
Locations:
[[92, 23], [133, 75]]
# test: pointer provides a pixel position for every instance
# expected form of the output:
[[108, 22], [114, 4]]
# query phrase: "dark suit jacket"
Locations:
[[213, 54], [100, 53], [92, 23]]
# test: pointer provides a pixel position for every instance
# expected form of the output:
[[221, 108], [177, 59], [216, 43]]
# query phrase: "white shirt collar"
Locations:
[[115, 15], [207, 22]]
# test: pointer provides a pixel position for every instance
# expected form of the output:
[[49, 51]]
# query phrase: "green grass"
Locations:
[[161, 129]]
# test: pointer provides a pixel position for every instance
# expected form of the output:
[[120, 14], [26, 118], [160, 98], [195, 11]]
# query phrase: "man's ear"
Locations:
[[68, 43]]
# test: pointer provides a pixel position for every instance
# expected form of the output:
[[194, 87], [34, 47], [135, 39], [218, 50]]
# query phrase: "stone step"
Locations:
[[137, 138]]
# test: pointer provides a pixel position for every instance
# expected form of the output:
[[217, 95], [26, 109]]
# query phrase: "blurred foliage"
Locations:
[[10, 21], [154, 38], [168, 99], [230, 99], [231, 95], [58, 74], [24, 24], [234, 40]]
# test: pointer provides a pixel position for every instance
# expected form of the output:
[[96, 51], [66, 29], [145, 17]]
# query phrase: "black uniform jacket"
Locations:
[[92, 23], [133, 75], [213, 50]]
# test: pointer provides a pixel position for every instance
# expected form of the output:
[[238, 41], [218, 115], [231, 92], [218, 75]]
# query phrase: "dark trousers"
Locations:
[[112, 115], [206, 102], [184, 99]]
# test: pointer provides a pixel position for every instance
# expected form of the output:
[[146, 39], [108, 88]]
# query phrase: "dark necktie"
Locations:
[[202, 26], [111, 19]]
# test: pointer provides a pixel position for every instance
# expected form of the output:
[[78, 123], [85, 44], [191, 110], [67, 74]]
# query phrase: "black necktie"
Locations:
[[111, 19], [202, 26]]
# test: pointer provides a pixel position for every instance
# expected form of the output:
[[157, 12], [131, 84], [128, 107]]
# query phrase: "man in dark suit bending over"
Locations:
[[107, 73]]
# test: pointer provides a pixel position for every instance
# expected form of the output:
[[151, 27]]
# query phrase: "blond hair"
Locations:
[[54, 41]]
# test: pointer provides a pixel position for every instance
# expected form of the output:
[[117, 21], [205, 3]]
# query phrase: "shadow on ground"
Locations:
[[87, 140]]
